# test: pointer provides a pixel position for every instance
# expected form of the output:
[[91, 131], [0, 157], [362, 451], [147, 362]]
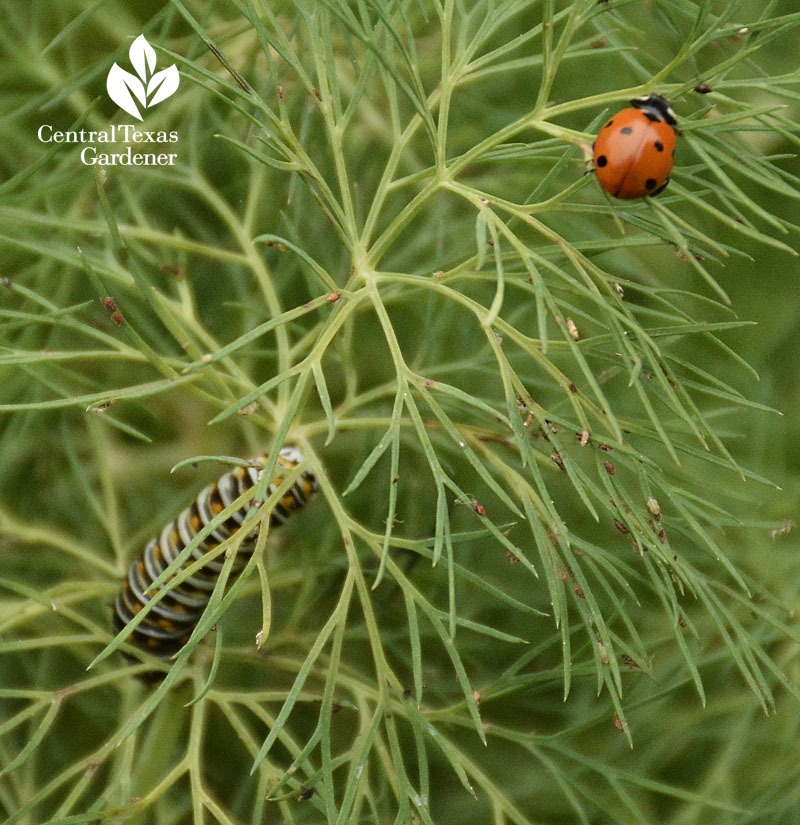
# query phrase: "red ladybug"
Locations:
[[635, 150]]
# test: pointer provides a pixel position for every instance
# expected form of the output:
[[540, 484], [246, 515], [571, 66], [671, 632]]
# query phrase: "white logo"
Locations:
[[149, 88]]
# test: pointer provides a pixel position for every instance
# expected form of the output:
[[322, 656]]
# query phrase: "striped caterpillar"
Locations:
[[170, 622]]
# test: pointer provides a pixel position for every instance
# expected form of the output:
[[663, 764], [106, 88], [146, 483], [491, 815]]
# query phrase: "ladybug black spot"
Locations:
[[659, 146], [609, 123], [627, 130], [650, 183], [661, 188], [602, 161]]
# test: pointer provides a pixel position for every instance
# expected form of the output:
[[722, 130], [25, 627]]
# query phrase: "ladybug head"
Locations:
[[655, 107]]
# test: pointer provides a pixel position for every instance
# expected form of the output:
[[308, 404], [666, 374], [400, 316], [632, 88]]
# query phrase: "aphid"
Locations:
[[785, 527], [654, 507], [573, 331], [170, 622], [635, 150]]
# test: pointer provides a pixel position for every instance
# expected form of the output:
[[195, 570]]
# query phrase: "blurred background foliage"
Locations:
[[448, 692]]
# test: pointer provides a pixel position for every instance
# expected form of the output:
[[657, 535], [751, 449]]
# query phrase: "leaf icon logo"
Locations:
[[149, 88]]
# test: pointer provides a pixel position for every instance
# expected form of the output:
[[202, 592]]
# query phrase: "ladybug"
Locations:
[[635, 150]]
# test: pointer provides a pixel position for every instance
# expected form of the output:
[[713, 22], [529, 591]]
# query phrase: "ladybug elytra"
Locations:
[[635, 150]]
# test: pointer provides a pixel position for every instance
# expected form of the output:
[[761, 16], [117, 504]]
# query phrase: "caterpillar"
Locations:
[[170, 622]]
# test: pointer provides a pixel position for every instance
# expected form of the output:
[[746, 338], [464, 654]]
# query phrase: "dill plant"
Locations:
[[383, 244]]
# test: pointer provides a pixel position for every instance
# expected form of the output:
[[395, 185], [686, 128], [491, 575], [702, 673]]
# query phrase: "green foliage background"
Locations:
[[550, 575]]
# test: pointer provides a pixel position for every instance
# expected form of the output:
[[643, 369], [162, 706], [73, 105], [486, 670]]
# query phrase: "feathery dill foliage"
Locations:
[[382, 244]]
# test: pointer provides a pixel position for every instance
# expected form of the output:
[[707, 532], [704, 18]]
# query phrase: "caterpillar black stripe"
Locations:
[[170, 622]]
